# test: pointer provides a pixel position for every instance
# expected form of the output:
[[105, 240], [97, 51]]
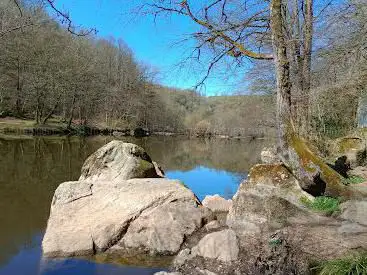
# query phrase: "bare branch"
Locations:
[[65, 18]]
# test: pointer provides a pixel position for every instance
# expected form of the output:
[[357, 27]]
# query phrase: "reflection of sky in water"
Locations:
[[206, 181], [29, 262], [202, 180]]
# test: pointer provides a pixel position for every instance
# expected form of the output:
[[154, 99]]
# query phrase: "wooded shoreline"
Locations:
[[11, 126]]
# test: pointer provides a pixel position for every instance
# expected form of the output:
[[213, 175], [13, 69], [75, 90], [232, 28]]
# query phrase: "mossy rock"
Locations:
[[346, 144]]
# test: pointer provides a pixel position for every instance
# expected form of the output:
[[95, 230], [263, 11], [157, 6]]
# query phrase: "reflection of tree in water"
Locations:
[[30, 171], [32, 168]]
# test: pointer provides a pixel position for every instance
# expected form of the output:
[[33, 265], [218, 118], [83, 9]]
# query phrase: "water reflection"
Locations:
[[32, 168]]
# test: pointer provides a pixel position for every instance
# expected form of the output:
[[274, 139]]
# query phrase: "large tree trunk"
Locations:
[[306, 70], [283, 107], [314, 174]]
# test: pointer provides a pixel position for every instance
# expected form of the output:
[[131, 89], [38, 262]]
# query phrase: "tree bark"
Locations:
[[306, 69], [283, 104], [314, 175]]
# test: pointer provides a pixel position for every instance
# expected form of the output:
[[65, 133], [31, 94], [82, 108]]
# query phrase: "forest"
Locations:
[[51, 74]]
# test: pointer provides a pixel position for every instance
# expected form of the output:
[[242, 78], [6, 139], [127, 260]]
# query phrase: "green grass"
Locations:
[[324, 205], [351, 265], [275, 242], [353, 179]]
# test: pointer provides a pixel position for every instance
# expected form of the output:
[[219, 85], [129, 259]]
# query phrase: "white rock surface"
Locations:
[[89, 216], [355, 211], [105, 211], [221, 245], [216, 203], [212, 225], [118, 160]]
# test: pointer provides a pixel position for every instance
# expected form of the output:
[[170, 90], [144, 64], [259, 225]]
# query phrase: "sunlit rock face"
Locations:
[[271, 230], [109, 210]]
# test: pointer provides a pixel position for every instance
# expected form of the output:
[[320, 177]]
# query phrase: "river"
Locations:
[[32, 168]]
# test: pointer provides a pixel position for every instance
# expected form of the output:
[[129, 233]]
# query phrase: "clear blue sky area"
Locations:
[[153, 43]]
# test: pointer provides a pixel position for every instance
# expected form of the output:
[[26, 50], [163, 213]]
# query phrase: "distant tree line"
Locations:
[[47, 72]]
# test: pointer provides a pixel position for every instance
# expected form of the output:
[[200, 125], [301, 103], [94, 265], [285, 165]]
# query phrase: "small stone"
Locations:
[[217, 204], [212, 225], [182, 257]]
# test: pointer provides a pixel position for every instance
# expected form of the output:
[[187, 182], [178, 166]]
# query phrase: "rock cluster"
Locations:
[[115, 208], [123, 205], [270, 230]]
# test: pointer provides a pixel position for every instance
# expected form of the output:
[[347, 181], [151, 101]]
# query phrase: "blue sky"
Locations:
[[153, 43]]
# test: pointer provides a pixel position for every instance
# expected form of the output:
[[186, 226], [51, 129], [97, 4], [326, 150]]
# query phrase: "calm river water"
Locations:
[[32, 168]]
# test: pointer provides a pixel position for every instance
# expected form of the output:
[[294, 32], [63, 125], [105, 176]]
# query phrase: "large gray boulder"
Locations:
[[354, 211], [222, 245], [104, 212], [272, 200], [162, 229], [118, 160]]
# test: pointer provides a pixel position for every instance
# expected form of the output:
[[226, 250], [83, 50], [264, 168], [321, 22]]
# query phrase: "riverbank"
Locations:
[[16, 126]]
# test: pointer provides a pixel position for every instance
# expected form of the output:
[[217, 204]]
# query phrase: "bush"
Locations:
[[355, 179], [352, 265], [325, 205]]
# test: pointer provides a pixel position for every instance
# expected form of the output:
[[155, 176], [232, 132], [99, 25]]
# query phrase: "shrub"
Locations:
[[325, 205], [351, 265], [355, 179]]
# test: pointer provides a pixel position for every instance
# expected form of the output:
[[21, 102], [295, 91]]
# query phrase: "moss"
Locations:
[[145, 169], [311, 163], [349, 143], [305, 201], [277, 172], [351, 265], [324, 205]]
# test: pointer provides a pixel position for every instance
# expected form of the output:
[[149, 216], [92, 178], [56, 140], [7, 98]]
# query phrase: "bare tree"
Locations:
[[236, 36]]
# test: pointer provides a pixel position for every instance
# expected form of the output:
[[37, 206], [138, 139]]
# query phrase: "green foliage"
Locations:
[[352, 265], [325, 205], [353, 179], [274, 242]]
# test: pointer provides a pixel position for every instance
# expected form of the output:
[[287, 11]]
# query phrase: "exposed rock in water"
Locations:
[[105, 212], [216, 203], [121, 133], [116, 161]]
